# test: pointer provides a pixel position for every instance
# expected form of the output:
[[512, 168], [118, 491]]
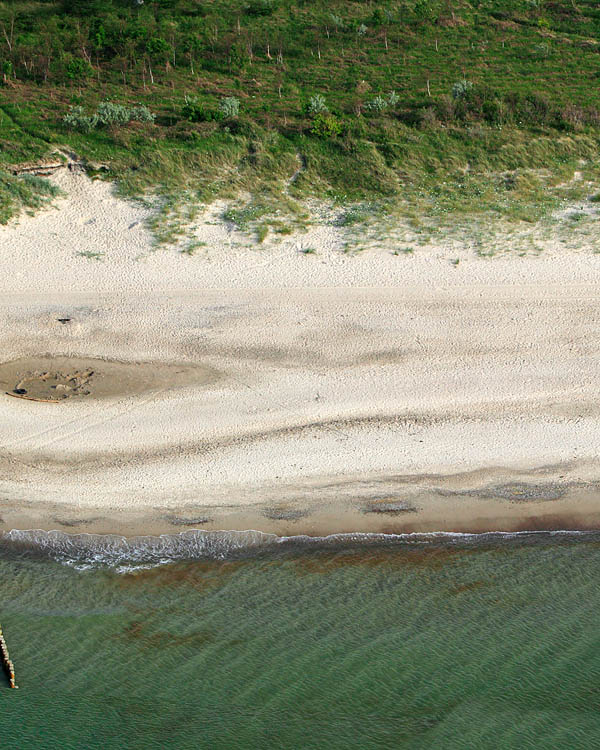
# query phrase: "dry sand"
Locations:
[[269, 389]]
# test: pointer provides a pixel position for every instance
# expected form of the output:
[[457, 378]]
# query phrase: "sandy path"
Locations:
[[408, 395]]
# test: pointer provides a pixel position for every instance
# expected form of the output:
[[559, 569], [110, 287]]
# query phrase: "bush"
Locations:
[[229, 107], [536, 108], [158, 47], [141, 113], [326, 126], [77, 119], [572, 117], [317, 105], [110, 113], [461, 88], [429, 118], [445, 109], [78, 69], [194, 110], [494, 111], [259, 8], [378, 104], [393, 99]]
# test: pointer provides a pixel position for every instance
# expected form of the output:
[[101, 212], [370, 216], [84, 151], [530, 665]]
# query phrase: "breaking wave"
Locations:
[[99, 550]]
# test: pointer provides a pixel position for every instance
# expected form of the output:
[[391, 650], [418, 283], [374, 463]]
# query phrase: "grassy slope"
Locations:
[[423, 157]]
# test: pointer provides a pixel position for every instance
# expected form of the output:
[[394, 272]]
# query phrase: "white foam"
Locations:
[[124, 554]]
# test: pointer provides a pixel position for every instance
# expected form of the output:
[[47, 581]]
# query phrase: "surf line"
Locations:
[[7, 664]]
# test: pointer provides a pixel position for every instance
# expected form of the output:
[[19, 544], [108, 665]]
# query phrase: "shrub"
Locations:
[[158, 47], [425, 10], [445, 109], [110, 113], [572, 117], [494, 111], [78, 69], [259, 8], [326, 126], [7, 70], [541, 50], [536, 108], [317, 105], [377, 18], [378, 104], [141, 113], [429, 117], [393, 99], [461, 88], [194, 110], [77, 119], [229, 107]]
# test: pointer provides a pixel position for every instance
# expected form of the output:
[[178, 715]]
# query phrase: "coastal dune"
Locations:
[[321, 394]]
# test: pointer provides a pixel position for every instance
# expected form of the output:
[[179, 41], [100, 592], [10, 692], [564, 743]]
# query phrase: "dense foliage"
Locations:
[[377, 97]]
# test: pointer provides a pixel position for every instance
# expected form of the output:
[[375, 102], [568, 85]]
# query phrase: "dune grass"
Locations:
[[23, 192], [440, 111]]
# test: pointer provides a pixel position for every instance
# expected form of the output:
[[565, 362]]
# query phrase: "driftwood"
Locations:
[[41, 169], [31, 398]]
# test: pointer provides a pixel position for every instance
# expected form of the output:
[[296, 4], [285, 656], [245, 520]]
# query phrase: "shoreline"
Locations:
[[475, 503]]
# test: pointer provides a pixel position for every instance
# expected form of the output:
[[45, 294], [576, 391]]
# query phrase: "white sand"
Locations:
[[344, 380]]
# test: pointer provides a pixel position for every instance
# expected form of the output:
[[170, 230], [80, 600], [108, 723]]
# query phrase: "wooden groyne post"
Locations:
[[7, 664]]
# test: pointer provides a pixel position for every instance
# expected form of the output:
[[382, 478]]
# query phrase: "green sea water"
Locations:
[[494, 644]]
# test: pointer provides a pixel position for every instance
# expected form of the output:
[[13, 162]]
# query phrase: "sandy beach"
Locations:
[[262, 387]]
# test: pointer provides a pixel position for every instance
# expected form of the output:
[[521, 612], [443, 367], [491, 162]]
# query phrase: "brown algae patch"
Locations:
[[55, 379]]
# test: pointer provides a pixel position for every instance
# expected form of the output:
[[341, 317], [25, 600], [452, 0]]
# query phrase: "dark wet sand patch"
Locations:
[[523, 492], [71, 523], [515, 492], [56, 379], [183, 521], [394, 507], [285, 514]]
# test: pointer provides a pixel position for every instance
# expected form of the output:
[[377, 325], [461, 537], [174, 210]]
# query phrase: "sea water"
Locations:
[[438, 642]]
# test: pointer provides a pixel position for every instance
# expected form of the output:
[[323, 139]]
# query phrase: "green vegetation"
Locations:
[[108, 114], [191, 247], [432, 109], [91, 255], [23, 192]]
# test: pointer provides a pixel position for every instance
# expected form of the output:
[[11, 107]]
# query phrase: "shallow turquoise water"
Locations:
[[491, 645]]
